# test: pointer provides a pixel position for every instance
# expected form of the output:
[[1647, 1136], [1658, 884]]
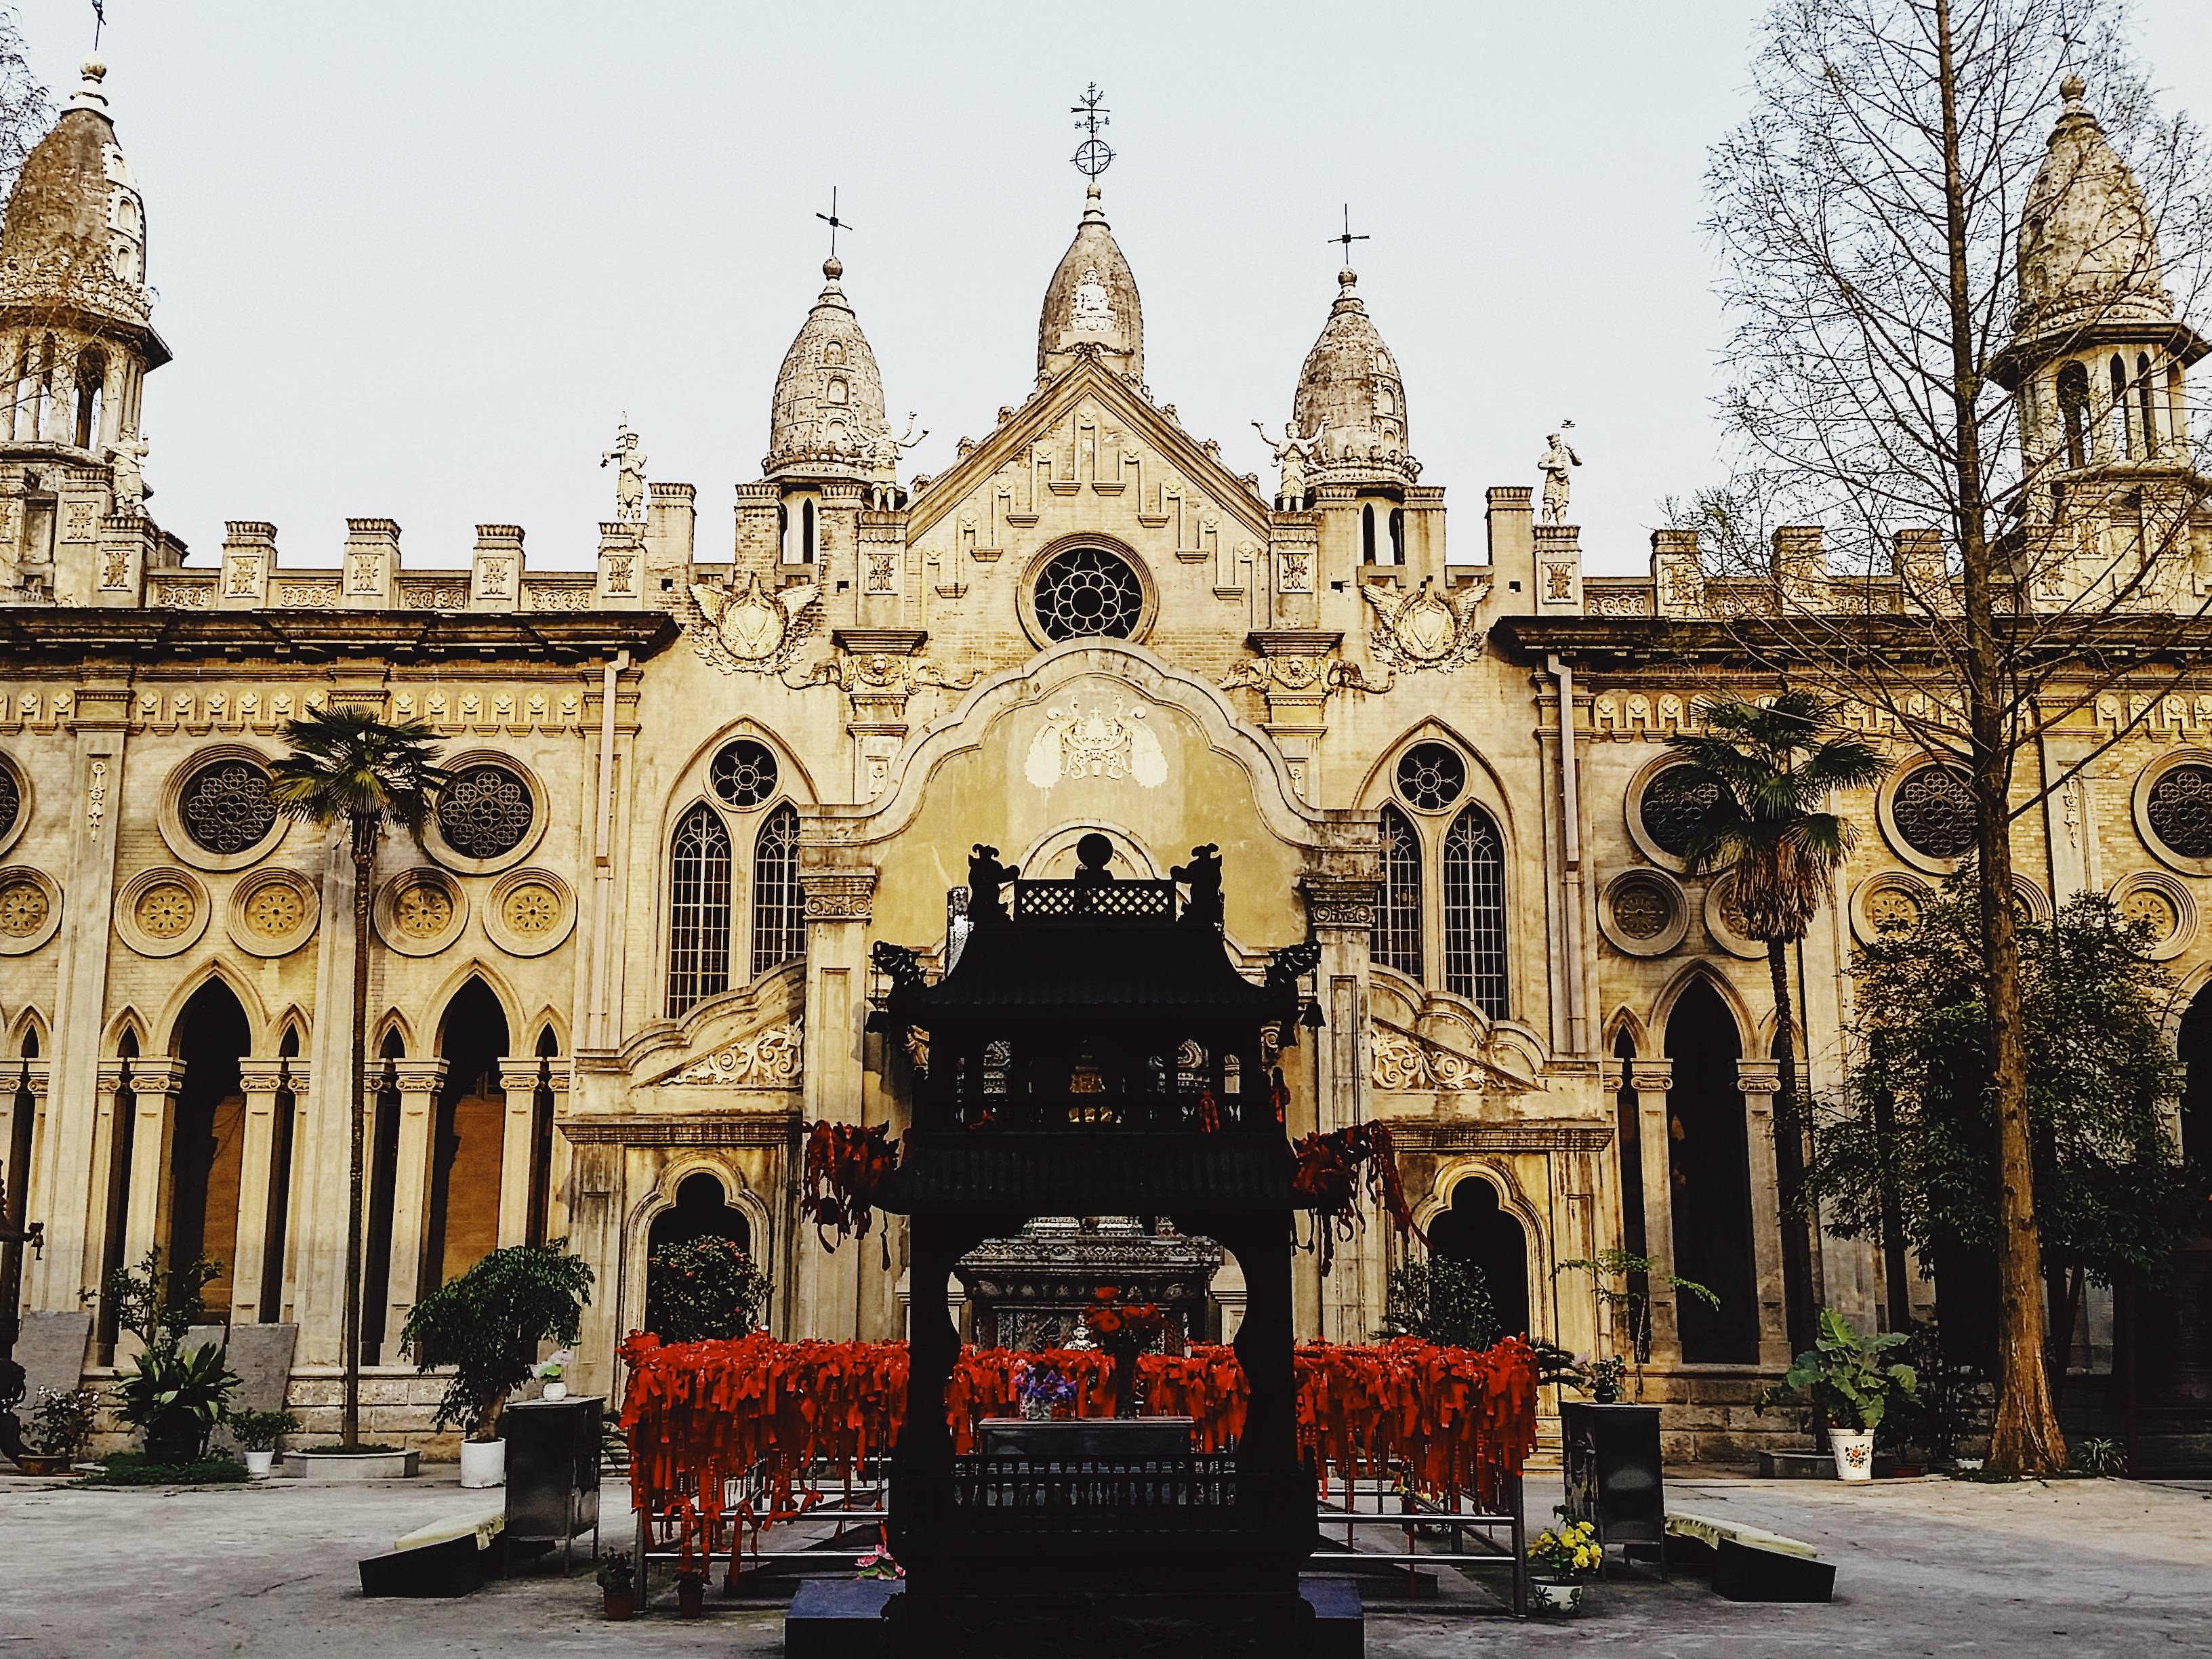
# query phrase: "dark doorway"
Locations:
[[383, 1176], [209, 1139], [281, 1128], [465, 1143], [1710, 1172], [700, 1211], [1478, 1232], [2195, 1046]]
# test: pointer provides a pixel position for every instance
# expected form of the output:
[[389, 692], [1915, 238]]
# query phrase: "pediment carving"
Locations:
[[775, 1058]]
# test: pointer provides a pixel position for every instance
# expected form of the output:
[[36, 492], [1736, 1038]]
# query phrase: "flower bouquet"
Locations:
[[1042, 1389], [1124, 1332], [1559, 1558]]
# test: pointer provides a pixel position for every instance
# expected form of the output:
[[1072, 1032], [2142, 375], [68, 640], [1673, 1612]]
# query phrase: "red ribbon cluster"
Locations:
[[845, 1171], [794, 1417], [1327, 1181]]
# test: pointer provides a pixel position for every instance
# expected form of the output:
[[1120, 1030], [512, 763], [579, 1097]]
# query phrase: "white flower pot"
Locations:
[[484, 1463], [1854, 1454], [259, 1464], [1555, 1595], [557, 1390]]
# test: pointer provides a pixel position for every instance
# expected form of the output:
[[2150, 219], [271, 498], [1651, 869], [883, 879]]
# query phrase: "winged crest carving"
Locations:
[[748, 629], [1421, 630]]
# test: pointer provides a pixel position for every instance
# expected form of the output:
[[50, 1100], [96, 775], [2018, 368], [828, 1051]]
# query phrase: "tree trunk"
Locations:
[[1789, 1166], [364, 862], [2027, 1438]]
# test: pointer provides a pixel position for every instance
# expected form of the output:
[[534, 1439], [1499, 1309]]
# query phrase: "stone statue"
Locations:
[[1292, 455], [1203, 874], [629, 475], [127, 456], [986, 877], [1558, 460]]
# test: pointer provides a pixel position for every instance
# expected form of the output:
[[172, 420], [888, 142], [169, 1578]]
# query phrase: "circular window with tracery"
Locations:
[[485, 813], [744, 773], [2180, 810], [1934, 812], [11, 800], [1673, 803], [225, 806], [1430, 776], [1087, 593]]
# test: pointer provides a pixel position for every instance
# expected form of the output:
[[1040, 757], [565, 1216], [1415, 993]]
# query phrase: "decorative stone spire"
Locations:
[[75, 226], [2089, 251], [1350, 389], [828, 416], [1090, 306]]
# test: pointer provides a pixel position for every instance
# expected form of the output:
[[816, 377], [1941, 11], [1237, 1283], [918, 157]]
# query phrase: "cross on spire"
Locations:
[[1347, 238], [834, 223], [1093, 155], [99, 21]]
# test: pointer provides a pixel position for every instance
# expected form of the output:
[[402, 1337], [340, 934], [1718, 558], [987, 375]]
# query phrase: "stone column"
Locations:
[[259, 1080], [154, 1086], [1340, 911], [321, 1150], [831, 1296], [560, 1074], [419, 1083], [518, 1076], [1760, 1081], [1651, 1079], [299, 1079]]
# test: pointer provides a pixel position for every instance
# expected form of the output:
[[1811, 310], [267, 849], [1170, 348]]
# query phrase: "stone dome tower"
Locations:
[[1091, 304], [2097, 354], [75, 316], [1351, 382], [827, 421]]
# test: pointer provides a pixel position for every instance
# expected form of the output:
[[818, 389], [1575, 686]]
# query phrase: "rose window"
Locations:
[[485, 812], [275, 910], [22, 909], [2180, 810], [1088, 592], [165, 909], [11, 800], [1430, 776], [1674, 801], [2151, 911], [1893, 908], [225, 806], [1934, 812], [1641, 910], [744, 773]]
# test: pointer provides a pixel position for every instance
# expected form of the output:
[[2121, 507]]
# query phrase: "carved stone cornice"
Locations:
[[1419, 1135], [1651, 1075], [260, 1077], [772, 1059], [1346, 902], [770, 1128], [419, 1076], [1759, 1077], [839, 895]]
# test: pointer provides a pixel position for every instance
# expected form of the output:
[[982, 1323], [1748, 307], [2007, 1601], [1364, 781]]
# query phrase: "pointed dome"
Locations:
[[1351, 381], [74, 233], [1091, 304], [828, 416], [2089, 251]]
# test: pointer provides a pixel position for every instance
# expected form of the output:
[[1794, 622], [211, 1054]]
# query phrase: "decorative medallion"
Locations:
[[25, 911], [1077, 743], [159, 913], [1642, 913], [748, 629], [772, 1059], [1886, 904], [529, 912], [165, 909], [1726, 921], [423, 911], [420, 912], [272, 911], [2159, 908], [485, 813], [1423, 631]]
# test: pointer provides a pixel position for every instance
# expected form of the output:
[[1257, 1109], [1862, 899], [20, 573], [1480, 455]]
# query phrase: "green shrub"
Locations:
[[487, 1325], [1845, 1376], [175, 1396], [259, 1430], [1441, 1301], [135, 1469], [62, 1421], [702, 1289]]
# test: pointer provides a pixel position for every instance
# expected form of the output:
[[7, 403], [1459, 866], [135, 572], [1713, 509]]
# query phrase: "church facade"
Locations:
[[694, 784]]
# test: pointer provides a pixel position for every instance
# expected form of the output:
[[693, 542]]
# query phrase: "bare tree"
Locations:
[[27, 109], [1928, 240]]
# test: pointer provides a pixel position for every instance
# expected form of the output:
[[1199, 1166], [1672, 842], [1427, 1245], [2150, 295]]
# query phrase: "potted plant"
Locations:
[[618, 1585], [487, 1325], [1850, 1386], [553, 1371], [258, 1434], [1622, 1281], [1559, 1559], [691, 1592], [1603, 1378], [61, 1429]]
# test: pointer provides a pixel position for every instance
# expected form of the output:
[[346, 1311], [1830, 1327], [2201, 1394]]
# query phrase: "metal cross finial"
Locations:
[[1093, 155], [834, 223], [99, 21], [1347, 238]]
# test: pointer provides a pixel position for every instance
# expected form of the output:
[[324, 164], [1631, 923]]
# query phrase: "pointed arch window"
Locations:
[[806, 531], [1367, 534], [2122, 443], [778, 906], [2149, 446], [1474, 911], [1397, 535], [1395, 941], [2074, 412], [698, 909]]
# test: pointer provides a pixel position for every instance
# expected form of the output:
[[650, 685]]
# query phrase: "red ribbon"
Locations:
[[845, 1171], [1327, 1180]]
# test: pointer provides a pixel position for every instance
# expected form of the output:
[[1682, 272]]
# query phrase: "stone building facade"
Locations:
[[695, 782]]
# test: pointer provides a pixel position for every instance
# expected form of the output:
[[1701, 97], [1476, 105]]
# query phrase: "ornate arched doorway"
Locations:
[[701, 1210], [1478, 1231], [207, 1139], [1709, 1172], [465, 1145]]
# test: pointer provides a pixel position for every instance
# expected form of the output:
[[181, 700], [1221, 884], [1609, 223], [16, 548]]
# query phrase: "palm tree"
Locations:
[[349, 768], [1771, 767]]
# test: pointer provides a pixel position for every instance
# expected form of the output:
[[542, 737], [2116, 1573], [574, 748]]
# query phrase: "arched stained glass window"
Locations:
[[1474, 911], [698, 909], [1395, 941], [778, 906]]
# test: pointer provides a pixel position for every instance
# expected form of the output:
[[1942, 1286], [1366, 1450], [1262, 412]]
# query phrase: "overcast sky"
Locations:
[[414, 260]]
